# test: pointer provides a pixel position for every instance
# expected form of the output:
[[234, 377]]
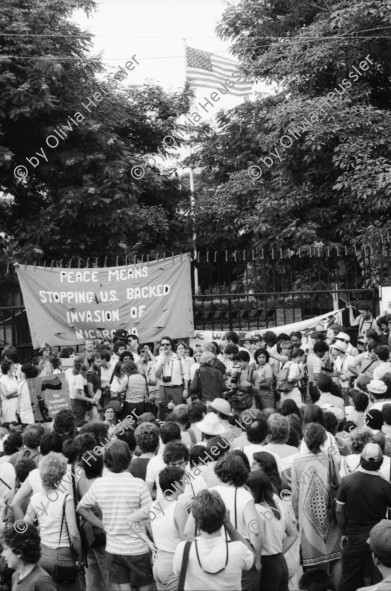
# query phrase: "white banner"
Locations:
[[202, 336], [385, 300]]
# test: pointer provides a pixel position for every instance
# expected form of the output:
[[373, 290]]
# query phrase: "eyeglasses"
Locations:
[[165, 344]]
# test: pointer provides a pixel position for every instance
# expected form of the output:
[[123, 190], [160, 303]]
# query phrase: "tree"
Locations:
[[87, 188], [318, 151]]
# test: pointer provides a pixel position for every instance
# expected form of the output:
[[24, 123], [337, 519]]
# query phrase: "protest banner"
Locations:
[[48, 395], [303, 326], [65, 306]]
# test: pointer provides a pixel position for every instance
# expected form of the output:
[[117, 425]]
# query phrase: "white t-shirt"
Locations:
[[48, 507], [24, 404], [75, 382], [243, 497], [212, 553], [154, 467], [380, 371], [273, 529]]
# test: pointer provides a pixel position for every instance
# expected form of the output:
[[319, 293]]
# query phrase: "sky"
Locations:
[[154, 30]]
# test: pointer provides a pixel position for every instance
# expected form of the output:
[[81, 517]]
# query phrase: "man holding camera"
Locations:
[[174, 376]]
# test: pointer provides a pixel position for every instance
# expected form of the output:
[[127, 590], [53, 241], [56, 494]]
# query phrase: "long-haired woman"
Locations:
[[278, 532]]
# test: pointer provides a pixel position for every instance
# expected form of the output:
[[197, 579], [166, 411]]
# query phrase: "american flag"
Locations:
[[211, 71]]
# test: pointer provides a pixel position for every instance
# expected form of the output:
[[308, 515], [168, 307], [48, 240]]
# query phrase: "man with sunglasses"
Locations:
[[173, 372]]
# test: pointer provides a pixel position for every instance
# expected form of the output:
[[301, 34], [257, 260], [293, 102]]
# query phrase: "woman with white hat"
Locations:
[[341, 363], [223, 410]]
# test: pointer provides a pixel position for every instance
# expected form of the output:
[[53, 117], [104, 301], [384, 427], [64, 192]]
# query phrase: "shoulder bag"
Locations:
[[65, 574], [185, 562]]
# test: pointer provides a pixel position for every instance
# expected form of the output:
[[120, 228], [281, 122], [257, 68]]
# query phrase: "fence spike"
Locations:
[[116, 262], [88, 260], [35, 265], [104, 264], [215, 256], [44, 265], [148, 259], [51, 266], [207, 256], [157, 257], [70, 261], [164, 257], [244, 255]]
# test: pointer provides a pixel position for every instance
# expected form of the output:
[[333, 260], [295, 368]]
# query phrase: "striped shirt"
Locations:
[[118, 496]]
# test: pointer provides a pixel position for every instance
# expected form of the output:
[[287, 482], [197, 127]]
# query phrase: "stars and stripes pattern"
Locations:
[[208, 70]]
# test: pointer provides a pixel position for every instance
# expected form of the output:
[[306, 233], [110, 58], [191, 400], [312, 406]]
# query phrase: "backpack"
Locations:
[[240, 400], [282, 380]]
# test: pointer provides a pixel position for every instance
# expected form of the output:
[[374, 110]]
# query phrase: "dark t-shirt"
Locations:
[[138, 467], [37, 580], [367, 498]]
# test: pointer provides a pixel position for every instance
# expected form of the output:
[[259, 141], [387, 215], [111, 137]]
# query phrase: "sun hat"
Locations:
[[211, 425], [342, 336], [377, 387], [221, 405], [380, 539], [340, 346], [372, 452]]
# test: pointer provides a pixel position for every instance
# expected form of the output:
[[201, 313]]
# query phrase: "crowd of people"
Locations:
[[247, 466]]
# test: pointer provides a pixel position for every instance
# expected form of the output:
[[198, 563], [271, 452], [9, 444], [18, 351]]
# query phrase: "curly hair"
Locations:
[[12, 444], [314, 436], [64, 423], [175, 451], [259, 352], [208, 511], [278, 428], [32, 435], [98, 429], [26, 544], [359, 438], [52, 469], [231, 470], [147, 437]]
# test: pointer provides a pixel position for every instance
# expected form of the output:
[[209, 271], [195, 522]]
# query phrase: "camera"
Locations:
[[166, 379]]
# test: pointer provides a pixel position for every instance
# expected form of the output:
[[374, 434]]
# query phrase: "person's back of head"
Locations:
[[233, 337], [289, 407], [374, 419], [50, 442], [197, 410], [331, 422], [231, 349], [217, 447], [117, 457], [147, 437], [316, 580], [32, 435], [92, 464], [382, 352], [320, 348], [180, 415], [313, 414], [243, 356], [324, 382], [257, 431], [71, 450], [208, 511], [170, 431], [98, 428], [64, 423], [386, 412], [23, 469], [360, 400], [126, 434], [171, 480]]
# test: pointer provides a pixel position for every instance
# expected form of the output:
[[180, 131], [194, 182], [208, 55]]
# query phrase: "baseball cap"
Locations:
[[372, 452], [380, 539]]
